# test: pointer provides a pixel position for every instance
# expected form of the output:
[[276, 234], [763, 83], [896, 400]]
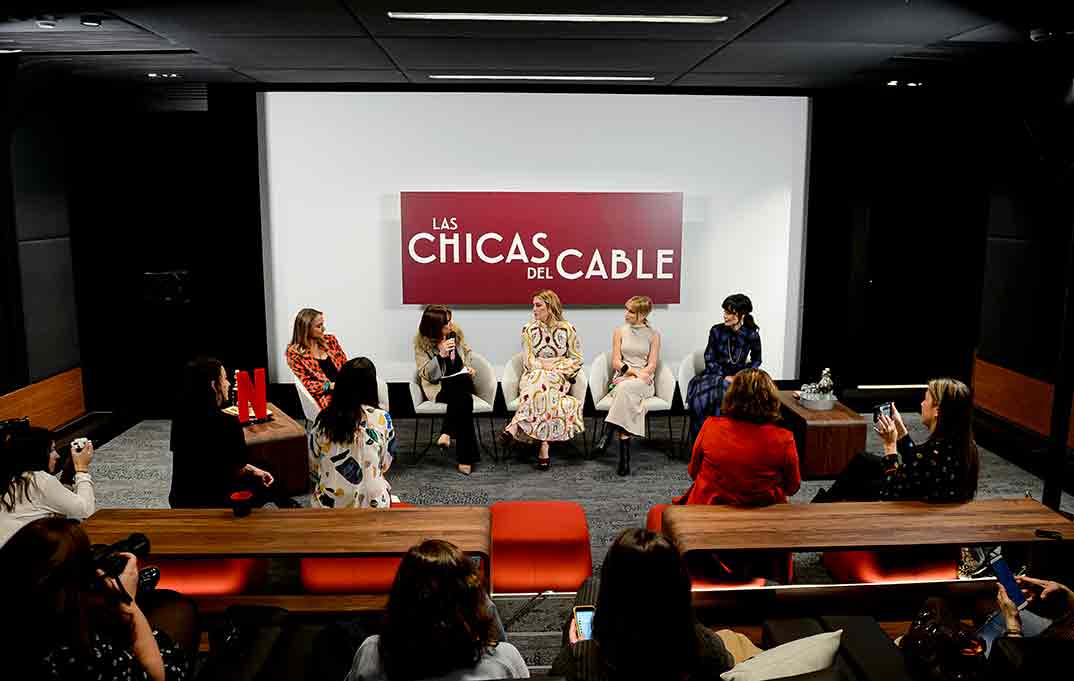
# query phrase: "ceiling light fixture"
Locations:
[[14, 51], [893, 83], [911, 84], [46, 21], [568, 78], [569, 18], [91, 20]]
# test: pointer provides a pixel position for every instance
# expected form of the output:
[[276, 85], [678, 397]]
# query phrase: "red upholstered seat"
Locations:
[[917, 565], [210, 576], [780, 566], [366, 575], [539, 546]]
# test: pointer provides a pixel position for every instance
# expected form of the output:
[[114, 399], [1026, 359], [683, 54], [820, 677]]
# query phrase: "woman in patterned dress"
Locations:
[[733, 346], [353, 443], [551, 357]]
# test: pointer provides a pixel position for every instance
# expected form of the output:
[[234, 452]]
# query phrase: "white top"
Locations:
[[502, 662], [46, 496]]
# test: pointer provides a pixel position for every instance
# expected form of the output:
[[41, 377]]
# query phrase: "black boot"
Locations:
[[601, 445], [624, 457]]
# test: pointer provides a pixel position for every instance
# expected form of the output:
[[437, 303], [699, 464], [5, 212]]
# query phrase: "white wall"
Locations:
[[334, 164]]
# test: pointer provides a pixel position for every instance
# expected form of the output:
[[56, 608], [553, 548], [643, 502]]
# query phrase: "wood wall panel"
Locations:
[[1015, 397], [50, 403]]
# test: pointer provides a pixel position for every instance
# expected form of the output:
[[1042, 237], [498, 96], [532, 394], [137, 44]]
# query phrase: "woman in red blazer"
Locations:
[[741, 457], [315, 356]]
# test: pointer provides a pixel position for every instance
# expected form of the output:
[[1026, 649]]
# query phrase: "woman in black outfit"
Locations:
[[73, 622], [441, 354], [943, 468], [209, 458], [644, 625]]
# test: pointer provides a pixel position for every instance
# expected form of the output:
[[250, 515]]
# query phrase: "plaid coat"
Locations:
[[727, 353]]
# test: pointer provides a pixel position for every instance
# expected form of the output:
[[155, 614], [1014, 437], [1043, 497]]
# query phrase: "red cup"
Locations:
[[241, 503]]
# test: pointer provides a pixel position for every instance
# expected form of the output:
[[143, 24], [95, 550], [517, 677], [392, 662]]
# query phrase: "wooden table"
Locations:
[[826, 440], [861, 525], [302, 532], [279, 446]]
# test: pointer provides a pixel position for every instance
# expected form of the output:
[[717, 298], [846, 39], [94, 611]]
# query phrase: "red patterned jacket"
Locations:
[[307, 370]]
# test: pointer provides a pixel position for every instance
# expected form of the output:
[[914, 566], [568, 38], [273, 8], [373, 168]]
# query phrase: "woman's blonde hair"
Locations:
[[954, 404], [641, 306], [555, 308], [303, 323]]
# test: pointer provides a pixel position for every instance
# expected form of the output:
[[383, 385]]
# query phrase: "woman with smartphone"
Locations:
[[943, 468], [29, 486], [446, 375], [635, 354], [733, 346], [643, 622]]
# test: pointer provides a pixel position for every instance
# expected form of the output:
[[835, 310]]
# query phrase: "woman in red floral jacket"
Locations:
[[315, 356]]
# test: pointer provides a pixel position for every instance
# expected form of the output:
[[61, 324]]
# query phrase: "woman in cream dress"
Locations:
[[551, 357], [635, 354]]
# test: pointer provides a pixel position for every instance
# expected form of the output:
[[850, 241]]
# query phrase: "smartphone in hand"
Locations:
[[881, 410], [583, 621]]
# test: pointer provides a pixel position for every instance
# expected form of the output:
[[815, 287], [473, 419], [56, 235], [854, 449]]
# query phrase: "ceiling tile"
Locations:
[[759, 80], [294, 53], [325, 76], [745, 57], [178, 20]]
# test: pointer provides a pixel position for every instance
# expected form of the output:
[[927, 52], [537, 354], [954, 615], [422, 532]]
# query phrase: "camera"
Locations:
[[106, 558], [882, 410]]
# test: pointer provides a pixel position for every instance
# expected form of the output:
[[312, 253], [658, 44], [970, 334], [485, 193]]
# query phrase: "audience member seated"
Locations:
[[353, 443], [69, 621], [315, 356], [441, 355], [733, 346], [943, 468], [635, 355], [208, 446], [30, 489], [439, 624], [644, 625], [742, 457], [1045, 598], [551, 357]]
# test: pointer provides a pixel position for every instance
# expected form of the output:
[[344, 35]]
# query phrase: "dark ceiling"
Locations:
[[766, 44]]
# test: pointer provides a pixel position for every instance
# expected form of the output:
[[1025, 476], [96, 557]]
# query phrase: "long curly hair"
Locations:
[[752, 397]]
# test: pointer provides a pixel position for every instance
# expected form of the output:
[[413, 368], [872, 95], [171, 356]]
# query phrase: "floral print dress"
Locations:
[[351, 475], [546, 409]]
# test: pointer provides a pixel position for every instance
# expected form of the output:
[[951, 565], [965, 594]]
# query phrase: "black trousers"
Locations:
[[457, 393], [861, 480]]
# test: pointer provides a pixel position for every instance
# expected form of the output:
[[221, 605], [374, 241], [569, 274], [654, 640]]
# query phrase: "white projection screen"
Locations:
[[333, 165]]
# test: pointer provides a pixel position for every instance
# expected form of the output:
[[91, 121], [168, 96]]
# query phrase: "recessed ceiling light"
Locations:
[[892, 83], [12, 51], [569, 78], [911, 84], [571, 18], [91, 20], [46, 21]]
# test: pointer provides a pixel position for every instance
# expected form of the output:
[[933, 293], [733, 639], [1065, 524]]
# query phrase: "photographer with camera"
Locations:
[[78, 613], [29, 488]]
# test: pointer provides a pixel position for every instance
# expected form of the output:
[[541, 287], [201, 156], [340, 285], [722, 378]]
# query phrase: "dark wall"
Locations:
[[897, 216], [167, 241], [13, 372]]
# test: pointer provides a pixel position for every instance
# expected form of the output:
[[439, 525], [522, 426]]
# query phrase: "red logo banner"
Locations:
[[497, 248]]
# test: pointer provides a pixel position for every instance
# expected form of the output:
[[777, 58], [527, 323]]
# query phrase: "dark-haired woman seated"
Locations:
[[353, 443], [209, 458], [644, 625], [29, 488], [942, 468], [75, 623], [438, 625]]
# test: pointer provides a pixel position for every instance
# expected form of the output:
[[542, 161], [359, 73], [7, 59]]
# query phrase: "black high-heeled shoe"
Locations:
[[624, 457], [601, 445]]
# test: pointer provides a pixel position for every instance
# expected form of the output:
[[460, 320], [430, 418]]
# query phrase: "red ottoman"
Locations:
[[210, 576], [917, 565], [366, 575], [539, 546]]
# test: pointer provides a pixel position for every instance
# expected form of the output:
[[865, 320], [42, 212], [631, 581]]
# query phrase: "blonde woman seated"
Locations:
[[551, 358], [314, 356], [635, 353], [353, 443]]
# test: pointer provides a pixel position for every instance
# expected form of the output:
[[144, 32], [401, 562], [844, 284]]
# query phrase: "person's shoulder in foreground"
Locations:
[[502, 661]]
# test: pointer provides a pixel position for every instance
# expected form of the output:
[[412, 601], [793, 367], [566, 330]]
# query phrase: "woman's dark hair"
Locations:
[[198, 392], [44, 570], [752, 397], [644, 605], [740, 304], [356, 386], [438, 618], [433, 321], [954, 424], [22, 452]]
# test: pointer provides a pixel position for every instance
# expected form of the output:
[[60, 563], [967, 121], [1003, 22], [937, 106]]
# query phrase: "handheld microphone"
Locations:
[[452, 336]]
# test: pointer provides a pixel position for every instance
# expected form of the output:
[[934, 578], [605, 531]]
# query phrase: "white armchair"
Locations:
[[484, 398], [512, 374], [690, 366], [600, 375]]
